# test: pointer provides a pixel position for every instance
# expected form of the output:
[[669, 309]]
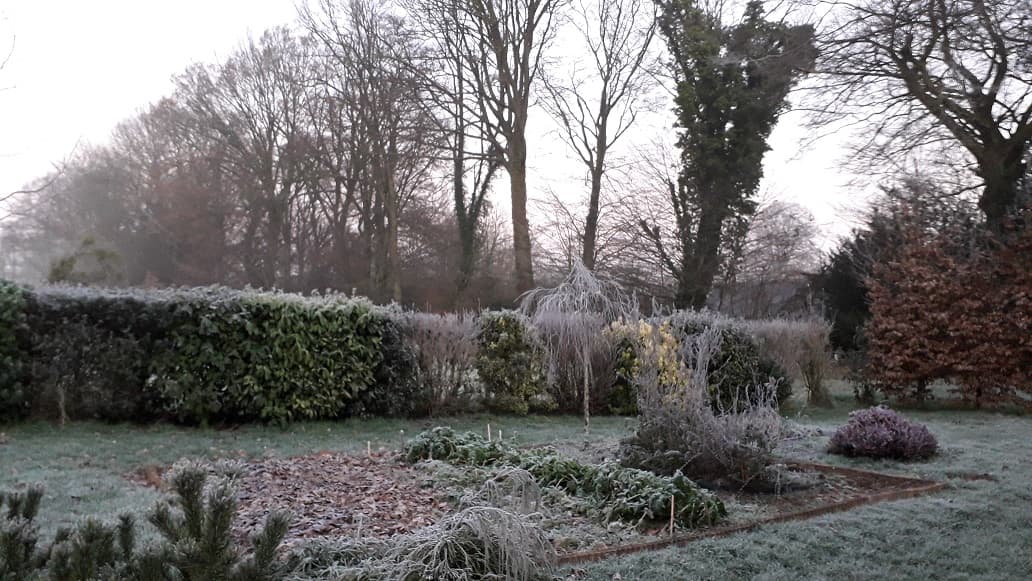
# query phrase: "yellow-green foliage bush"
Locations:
[[734, 372]]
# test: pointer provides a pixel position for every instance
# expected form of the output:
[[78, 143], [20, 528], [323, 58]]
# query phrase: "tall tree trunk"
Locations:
[[1001, 170], [701, 268], [465, 218], [520, 224], [393, 259], [591, 222]]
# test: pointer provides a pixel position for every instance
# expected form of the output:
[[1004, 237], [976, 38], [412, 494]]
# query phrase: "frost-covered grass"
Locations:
[[83, 465], [976, 529]]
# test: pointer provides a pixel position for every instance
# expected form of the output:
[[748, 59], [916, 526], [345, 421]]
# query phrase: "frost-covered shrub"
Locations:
[[737, 366], [446, 353], [802, 347], [681, 430], [879, 432], [619, 493], [510, 363]]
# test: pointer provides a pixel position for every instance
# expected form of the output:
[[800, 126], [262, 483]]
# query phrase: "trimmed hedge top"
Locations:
[[206, 354]]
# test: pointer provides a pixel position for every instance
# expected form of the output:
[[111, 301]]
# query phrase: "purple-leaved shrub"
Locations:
[[879, 432]]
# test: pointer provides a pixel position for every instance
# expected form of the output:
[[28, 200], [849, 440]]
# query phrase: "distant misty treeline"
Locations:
[[358, 150]]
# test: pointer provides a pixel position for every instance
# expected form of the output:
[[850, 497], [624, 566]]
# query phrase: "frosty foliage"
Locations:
[[571, 318], [446, 352], [478, 542], [679, 429], [802, 347], [879, 432]]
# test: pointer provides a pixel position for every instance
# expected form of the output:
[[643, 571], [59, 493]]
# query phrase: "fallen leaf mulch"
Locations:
[[329, 495], [337, 495]]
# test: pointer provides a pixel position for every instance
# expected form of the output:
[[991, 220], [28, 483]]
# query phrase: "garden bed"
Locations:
[[333, 495], [837, 489]]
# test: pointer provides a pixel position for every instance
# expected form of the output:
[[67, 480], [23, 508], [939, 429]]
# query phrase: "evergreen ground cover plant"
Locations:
[[626, 494]]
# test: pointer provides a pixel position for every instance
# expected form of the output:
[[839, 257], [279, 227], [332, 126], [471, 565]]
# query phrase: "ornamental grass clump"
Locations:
[[478, 542], [879, 432]]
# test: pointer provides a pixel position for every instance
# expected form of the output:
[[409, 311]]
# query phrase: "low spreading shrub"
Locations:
[[13, 353], [879, 432], [618, 492], [510, 363], [195, 530]]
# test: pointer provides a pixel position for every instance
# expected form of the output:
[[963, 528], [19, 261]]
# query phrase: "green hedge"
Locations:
[[212, 355], [13, 352]]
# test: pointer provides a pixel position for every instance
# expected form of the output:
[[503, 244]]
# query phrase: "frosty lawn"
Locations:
[[977, 528]]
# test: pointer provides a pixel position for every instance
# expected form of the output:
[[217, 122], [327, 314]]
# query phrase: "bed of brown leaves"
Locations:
[[335, 495], [330, 495]]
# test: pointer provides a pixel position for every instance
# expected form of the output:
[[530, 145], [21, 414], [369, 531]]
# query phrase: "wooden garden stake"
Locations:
[[488, 432], [671, 515], [369, 449]]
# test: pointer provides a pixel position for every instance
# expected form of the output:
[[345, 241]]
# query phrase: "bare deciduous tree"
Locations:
[[374, 51], [501, 44], [769, 262], [931, 73], [597, 107]]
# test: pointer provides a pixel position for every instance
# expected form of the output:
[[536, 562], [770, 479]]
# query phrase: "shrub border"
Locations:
[[917, 487]]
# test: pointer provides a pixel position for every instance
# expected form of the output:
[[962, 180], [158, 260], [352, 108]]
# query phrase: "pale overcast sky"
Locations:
[[79, 67]]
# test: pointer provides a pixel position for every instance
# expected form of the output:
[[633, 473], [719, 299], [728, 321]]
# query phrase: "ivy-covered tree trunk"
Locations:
[[732, 85]]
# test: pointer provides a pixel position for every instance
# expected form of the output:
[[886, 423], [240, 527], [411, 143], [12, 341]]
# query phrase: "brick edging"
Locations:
[[919, 487]]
